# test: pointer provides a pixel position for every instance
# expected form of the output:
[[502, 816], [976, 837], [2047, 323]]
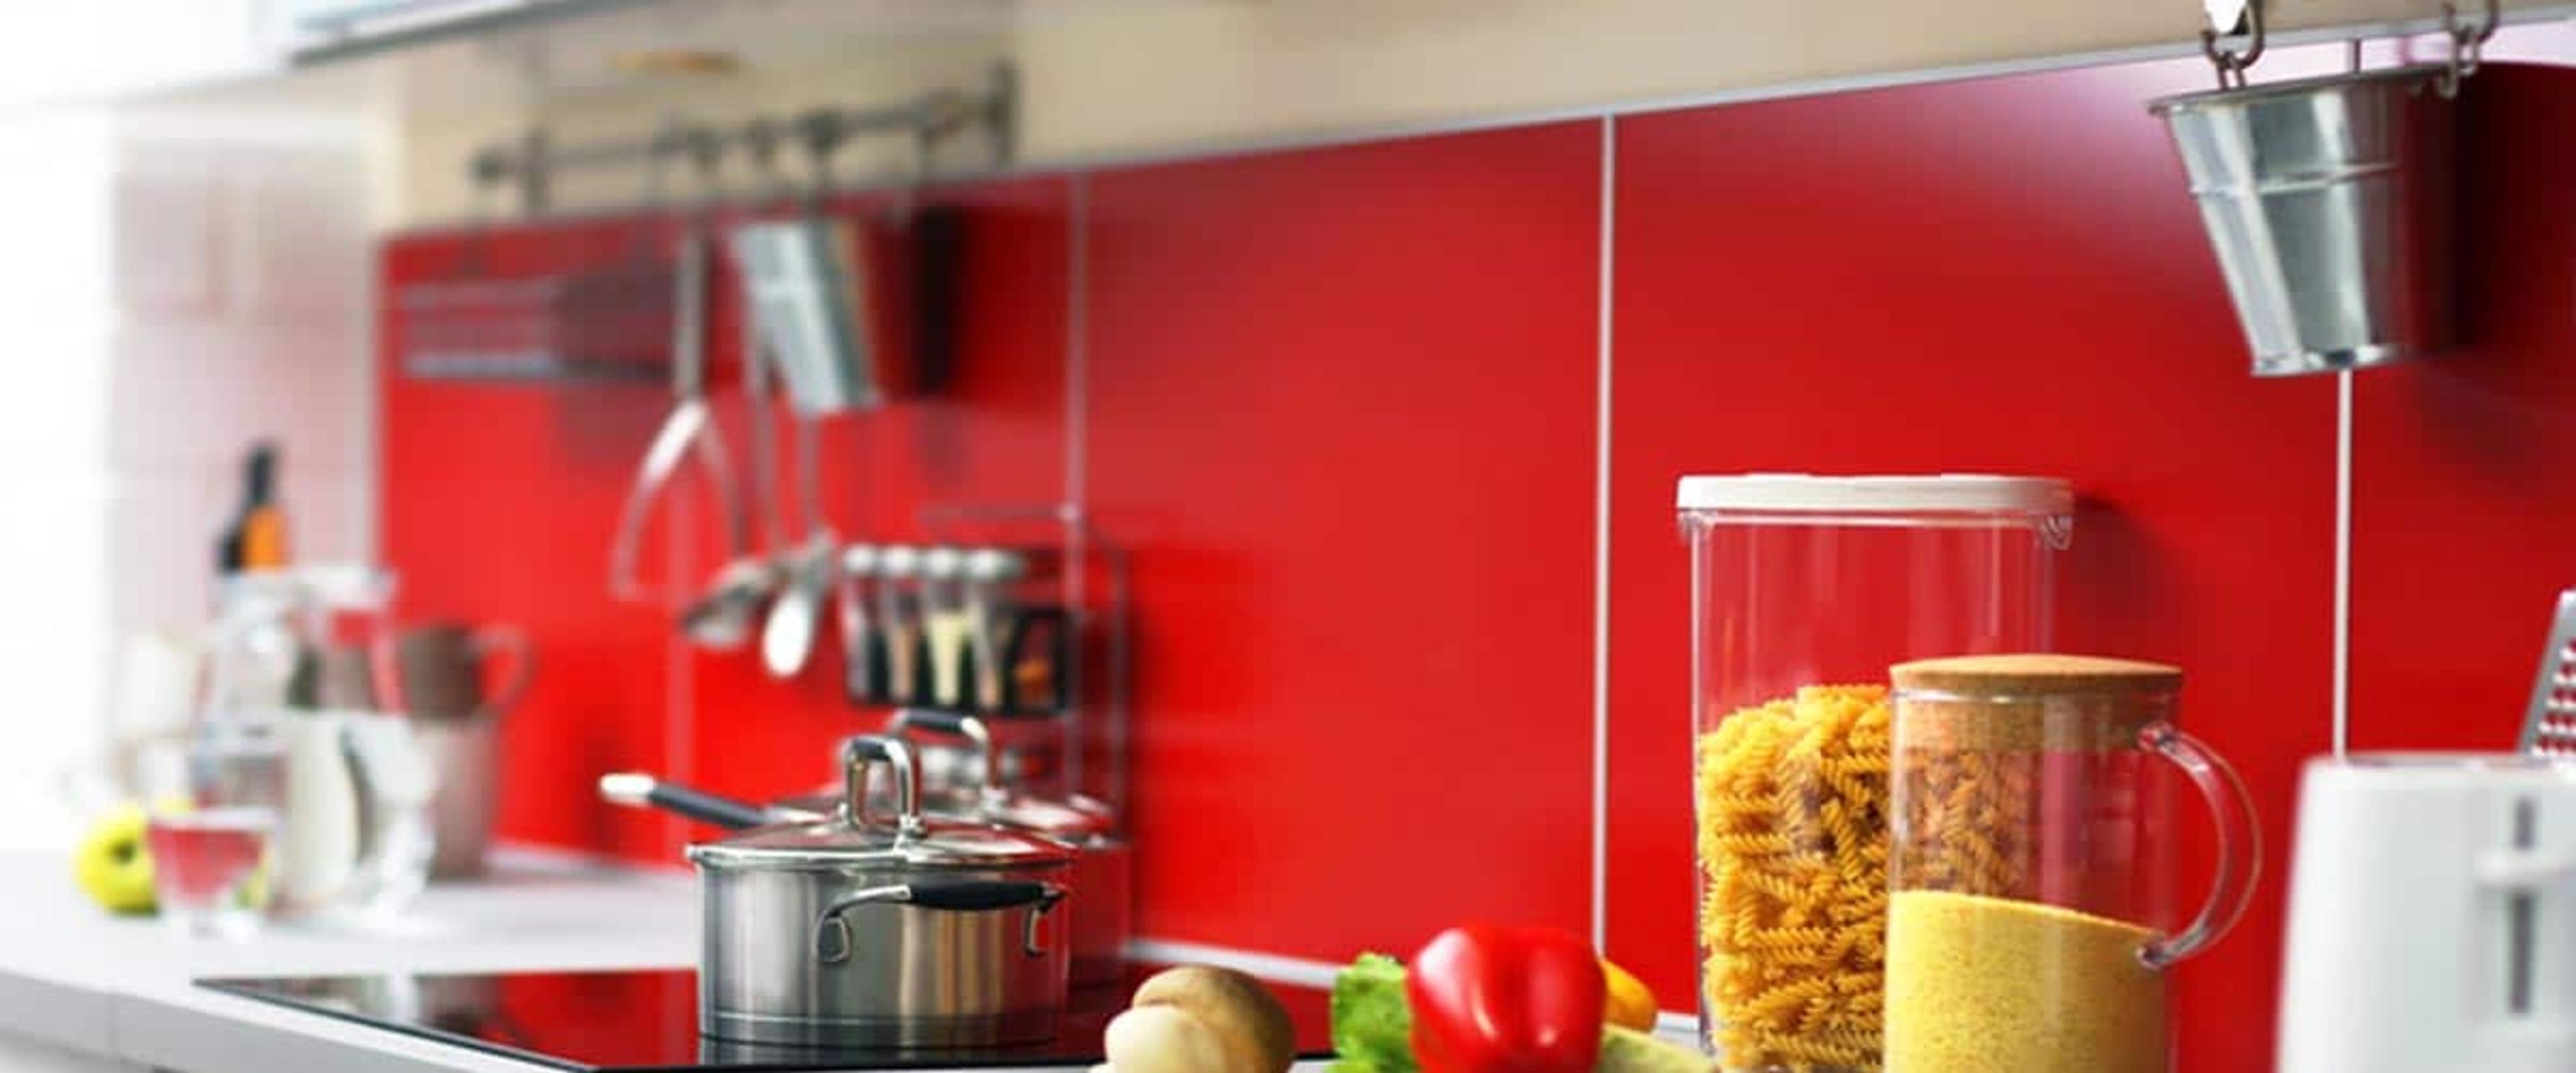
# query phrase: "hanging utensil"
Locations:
[[897, 615], [856, 310], [636, 789], [800, 286], [787, 640], [690, 427], [862, 650], [723, 617]]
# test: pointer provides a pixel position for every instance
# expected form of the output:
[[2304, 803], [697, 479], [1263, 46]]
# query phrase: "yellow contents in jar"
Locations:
[[1978, 984]]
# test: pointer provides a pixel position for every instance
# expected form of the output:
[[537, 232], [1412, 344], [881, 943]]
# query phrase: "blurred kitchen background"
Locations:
[[1372, 337]]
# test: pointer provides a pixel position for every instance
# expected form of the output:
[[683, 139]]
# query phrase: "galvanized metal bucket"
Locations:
[[2329, 203]]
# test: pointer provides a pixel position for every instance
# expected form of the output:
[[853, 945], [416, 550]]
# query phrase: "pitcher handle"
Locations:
[[2240, 843], [522, 652]]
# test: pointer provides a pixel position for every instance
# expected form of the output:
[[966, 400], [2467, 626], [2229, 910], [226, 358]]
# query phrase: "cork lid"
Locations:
[[2035, 674]]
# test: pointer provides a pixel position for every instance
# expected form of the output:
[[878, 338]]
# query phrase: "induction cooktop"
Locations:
[[646, 1020]]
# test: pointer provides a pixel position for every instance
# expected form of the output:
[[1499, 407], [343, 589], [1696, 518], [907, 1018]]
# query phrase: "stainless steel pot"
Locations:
[[1104, 874], [882, 931]]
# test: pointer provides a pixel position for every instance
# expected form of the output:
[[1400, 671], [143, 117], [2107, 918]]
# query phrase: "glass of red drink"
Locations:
[[210, 869]]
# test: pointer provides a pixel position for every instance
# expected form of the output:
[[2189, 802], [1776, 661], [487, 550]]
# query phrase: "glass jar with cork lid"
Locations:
[[2031, 864]]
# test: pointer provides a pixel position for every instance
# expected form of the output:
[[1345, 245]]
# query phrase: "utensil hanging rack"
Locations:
[[530, 161], [612, 322]]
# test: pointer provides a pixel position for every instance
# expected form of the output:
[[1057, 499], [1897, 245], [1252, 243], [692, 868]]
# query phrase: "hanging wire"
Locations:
[[2232, 65]]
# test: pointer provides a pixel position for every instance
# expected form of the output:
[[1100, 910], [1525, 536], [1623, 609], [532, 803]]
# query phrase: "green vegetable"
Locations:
[[1372, 1026]]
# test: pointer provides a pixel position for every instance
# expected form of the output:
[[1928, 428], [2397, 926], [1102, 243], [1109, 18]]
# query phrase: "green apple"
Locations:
[[112, 863]]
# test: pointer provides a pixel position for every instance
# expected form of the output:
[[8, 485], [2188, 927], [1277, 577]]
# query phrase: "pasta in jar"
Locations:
[[1792, 803]]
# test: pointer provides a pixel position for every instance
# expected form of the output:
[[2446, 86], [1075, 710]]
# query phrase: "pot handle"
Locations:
[[859, 752], [832, 934], [964, 726]]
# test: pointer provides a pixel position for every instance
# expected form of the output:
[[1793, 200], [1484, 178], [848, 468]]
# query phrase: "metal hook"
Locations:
[[535, 166], [2232, 65], [670, 139], [823, 133], [2468, 44]]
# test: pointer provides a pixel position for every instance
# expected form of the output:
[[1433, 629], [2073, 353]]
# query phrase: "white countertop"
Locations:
[[117, 988]]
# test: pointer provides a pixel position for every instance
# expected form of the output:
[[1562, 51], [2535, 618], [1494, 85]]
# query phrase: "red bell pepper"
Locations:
[[1490, 999]]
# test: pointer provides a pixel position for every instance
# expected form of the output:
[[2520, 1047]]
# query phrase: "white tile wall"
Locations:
[[172, 294], [242, 289]]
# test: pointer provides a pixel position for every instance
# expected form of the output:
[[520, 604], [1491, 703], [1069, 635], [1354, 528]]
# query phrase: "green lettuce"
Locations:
[[1372, 1027]]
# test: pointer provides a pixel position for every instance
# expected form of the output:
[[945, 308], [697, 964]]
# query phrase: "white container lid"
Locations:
[[1800, 493]]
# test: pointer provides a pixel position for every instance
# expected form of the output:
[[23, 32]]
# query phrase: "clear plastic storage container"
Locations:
[[1804, 590]]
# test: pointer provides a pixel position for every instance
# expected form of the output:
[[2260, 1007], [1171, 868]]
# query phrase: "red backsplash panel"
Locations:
[[1992, 276], [2458, 485], [499, 504], [1342, 409]]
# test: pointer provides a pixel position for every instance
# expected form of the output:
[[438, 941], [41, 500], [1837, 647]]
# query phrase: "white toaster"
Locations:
[[2432, 919]]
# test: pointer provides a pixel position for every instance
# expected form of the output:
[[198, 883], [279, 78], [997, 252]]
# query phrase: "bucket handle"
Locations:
[[2232, 65], [2468, 44]]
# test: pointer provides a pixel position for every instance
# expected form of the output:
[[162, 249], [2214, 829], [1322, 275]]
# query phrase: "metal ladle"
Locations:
[[690, 427], [787, 640], [724, 616]]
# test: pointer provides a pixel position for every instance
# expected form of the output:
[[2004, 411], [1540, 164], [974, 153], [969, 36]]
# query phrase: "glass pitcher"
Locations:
[[2031, 864]]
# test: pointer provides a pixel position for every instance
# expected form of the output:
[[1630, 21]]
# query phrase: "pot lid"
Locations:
[[1071, 820], [838, 843], [856, 837]]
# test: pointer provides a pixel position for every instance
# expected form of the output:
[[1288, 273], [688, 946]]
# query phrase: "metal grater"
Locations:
[[2549, 727]]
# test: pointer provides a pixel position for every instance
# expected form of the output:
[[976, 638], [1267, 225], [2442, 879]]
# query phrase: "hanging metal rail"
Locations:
[[531, 160]]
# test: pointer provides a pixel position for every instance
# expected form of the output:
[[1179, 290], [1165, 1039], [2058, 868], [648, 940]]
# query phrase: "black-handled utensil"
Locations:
[[638, 790]]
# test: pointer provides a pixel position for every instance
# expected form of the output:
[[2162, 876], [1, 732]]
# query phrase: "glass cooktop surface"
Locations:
[[631, 1021]]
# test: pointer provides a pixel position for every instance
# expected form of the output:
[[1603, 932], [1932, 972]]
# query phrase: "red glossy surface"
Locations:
[[1341, 402], [2000, 276], [2458, 490], [498, 505]]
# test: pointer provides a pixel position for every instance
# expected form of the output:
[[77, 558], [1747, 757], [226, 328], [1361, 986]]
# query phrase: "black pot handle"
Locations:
[[832, 934], [980, 895], [936, 721], [638, 790]]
